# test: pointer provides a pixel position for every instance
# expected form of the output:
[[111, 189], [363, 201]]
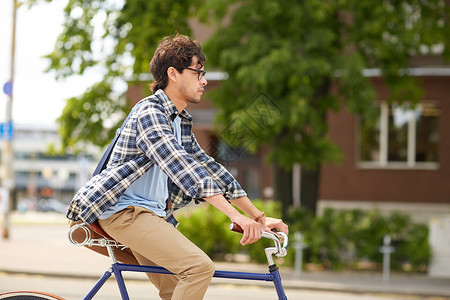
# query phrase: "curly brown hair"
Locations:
[[173, 51]]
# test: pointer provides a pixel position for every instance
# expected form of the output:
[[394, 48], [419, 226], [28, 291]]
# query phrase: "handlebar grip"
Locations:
[[236, 228]]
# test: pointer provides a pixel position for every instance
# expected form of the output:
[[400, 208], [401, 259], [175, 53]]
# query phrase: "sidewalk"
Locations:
[[44, 249]]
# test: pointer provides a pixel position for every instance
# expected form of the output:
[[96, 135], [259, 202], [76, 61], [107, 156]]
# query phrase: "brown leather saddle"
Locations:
[[95, 227]]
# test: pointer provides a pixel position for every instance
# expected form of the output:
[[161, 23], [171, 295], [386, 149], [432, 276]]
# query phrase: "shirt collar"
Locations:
[[170, 108]]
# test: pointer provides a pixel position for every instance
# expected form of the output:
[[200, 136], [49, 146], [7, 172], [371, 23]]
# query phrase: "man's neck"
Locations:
[[176, 98]]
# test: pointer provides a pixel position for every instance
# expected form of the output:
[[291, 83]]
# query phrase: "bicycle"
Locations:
[[280, 248]]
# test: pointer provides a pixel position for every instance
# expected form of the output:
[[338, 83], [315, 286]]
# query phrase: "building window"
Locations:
[[400, 137]]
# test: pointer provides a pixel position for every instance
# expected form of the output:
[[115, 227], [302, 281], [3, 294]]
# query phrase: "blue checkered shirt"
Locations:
[[147, 138]]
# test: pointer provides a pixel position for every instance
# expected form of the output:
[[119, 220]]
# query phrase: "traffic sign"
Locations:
[[6, 131], [7, 88]]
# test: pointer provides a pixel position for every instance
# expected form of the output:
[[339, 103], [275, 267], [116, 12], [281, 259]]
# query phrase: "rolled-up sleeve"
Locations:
[[156, 139]]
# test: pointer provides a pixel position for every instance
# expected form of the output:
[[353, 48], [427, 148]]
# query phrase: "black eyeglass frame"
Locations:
[[200, 73]]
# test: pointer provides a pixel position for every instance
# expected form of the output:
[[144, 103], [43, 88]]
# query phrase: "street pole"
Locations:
[[7, 153], [387, 250], [299, 245], [296, 186]]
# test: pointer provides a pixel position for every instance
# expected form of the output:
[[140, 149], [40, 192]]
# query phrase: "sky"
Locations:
[[38, 98]]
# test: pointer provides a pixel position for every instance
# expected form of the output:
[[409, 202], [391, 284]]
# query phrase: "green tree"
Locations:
[[290, 62], [308, 57], [116, 39]]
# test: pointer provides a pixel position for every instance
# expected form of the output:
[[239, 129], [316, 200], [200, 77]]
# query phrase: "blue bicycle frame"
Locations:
[[117, 268]]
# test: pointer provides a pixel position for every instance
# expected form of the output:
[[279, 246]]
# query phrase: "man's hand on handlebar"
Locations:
[[272, 224], [252, 229]]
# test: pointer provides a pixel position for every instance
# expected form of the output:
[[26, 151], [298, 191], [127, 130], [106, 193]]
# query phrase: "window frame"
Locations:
[[383, 162]]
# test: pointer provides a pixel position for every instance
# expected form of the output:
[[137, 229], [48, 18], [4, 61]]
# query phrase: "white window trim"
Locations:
[[383, 162], [384, 132]]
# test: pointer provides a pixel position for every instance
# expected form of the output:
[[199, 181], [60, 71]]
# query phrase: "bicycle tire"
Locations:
[[29, 295]]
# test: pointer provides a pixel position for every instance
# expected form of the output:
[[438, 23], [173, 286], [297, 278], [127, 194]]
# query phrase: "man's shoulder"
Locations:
[[149, 101], [149, 104], [157, 107], [151, 113]]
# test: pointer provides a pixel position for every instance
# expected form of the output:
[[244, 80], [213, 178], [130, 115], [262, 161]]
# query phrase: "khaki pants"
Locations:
[[153, 241]]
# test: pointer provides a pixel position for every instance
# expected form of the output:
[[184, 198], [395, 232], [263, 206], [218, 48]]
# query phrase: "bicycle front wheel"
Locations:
[[28, 295]]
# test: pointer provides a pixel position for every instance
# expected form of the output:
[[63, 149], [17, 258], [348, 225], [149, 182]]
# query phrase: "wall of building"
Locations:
[[349, 182]]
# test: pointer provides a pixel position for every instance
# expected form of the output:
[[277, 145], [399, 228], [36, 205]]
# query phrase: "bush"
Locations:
[[343, 238], [336, 239]]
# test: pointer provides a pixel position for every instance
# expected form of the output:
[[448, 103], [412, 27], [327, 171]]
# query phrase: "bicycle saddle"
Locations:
[[95, 227]]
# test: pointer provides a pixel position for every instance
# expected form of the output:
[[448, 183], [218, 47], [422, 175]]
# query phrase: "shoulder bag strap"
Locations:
[[105, 158]]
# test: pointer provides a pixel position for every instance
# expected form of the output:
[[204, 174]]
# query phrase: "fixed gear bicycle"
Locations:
[[280, 240]]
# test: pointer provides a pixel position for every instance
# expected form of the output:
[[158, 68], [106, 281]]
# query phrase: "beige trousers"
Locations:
[[153, 241]]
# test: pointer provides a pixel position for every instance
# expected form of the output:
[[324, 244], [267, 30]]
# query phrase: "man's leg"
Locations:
[[159, 242], [163, 282]]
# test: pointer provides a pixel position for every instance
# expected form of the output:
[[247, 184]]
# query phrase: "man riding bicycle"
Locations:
[[157, 167]]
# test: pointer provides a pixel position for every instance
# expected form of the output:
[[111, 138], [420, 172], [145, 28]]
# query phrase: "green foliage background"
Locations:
[[305, 55], [336, 239], [292, 50], [308, 56]]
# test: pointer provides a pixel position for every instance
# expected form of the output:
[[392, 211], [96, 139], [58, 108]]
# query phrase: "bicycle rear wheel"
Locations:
[[28, 295]]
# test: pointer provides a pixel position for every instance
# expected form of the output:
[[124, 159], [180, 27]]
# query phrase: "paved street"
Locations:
[[70, 288]]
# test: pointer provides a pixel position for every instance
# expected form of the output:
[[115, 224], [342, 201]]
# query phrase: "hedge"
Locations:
[[336, 239]]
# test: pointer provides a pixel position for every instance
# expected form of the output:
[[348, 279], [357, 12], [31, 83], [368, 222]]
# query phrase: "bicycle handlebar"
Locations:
[[280, 249]]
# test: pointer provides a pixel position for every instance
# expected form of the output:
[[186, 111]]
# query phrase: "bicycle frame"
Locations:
[[117, 268]]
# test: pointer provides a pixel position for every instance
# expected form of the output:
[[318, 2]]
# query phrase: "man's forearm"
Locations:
[[219, 202], [247, 206]]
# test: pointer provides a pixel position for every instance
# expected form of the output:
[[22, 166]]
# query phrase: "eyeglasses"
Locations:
[[200, 73]]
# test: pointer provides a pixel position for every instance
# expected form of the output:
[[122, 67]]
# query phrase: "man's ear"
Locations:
[[172, 73]]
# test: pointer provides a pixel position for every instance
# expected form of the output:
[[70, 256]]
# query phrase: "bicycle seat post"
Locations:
[[111, 253]]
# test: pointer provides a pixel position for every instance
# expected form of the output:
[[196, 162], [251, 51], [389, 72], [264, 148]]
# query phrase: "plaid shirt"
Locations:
[[147, 138]]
